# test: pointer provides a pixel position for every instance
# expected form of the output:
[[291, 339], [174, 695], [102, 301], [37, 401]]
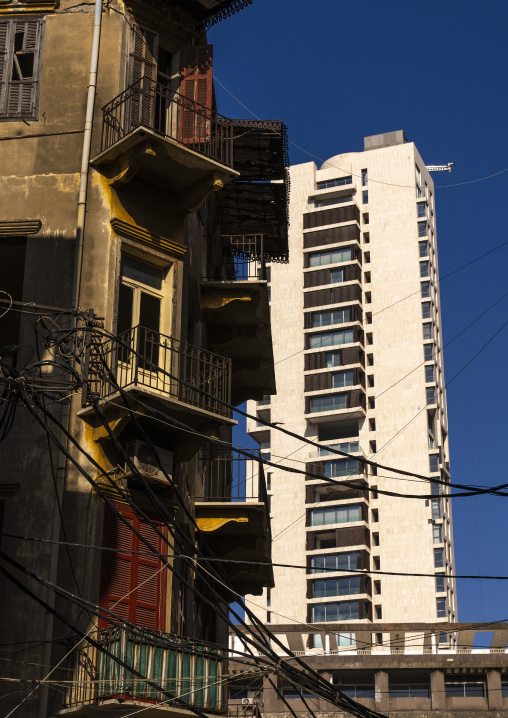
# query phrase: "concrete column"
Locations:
[[382, 696], [494, 694], [270, 697], [437, 691], [325, 706]]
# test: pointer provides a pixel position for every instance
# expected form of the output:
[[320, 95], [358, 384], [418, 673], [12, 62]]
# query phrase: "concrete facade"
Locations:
[[363, 240], [151, 273]]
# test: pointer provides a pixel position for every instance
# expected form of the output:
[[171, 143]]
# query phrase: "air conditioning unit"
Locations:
[[247, 701], [143, 458]]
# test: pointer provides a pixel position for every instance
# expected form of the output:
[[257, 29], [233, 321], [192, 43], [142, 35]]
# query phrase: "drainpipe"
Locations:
[[61, 461]]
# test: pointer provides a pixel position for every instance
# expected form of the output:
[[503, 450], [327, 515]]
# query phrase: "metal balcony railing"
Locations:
[[143, 357], [155, 106], [229, 476], [195, 676], [236, 257]]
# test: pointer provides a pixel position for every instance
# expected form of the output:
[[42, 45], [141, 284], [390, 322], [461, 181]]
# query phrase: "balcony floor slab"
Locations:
[[121, 708]]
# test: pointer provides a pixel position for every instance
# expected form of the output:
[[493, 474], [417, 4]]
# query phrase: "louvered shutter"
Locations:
[[132, 583], [143, 75], [196, 84], [5, 46]]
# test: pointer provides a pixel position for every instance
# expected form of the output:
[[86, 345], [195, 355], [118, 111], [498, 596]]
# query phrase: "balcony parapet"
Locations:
[[194, 674], [192, 382], [148, 124]]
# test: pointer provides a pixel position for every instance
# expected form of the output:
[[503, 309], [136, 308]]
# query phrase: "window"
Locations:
[[324, 588], [335, 256], [336, 562], [438, 558], [422, 209], [365, 178], [423, 248], [328, 402], [20, 49], [343, 379], [422, 229], [424, 269], [425, 290], [370, 380], [368, 297], [340, 467], [295, 694], [336, 276], [440, 585], [330, 339], [366, 237], [429, 373], [431, 395], [464, 689], [375, 515], [370, 359], [368, 277], [418, 175], [504, 689], [362, 691], [333, 359], [335, 316], [434, 463], [436, 509], [379, 612], [338, 182], [365, 196], [377, 587], [372, 425], [332, 200], [366, 257], [426, 310], [409, 690], [365, 217], [428, 352], [336, 515], [140, 304], [441, 607], [437, 533], [427, 331], [349, 446], [375, 538], [333, 612], [377, 562], [373, 447], [370, 338]]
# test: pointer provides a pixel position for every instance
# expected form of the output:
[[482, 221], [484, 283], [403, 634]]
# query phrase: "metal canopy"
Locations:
[[209, 12], [257, 202]]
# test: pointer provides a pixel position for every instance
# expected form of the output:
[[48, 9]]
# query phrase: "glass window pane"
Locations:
[[125, 308], [425, 289], [140, 272]]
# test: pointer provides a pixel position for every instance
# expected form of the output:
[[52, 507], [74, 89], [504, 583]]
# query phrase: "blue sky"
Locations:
[[335, 72]]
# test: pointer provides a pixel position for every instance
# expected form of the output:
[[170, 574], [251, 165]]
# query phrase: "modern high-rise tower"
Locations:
[[359, 367]]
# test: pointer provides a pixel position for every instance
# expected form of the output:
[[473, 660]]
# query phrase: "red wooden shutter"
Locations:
[[196, 84], [133, 586]]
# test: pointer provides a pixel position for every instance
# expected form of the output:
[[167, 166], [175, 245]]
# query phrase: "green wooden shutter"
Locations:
[[143, 74]]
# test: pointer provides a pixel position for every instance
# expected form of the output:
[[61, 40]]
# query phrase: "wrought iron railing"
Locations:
[[236, 257], [155, 106], [145, 358], [229, 476], [195, 677], [244, 710]]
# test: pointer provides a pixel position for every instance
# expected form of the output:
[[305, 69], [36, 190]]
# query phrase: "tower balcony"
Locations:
[[102, 686], [234, 297], [233, 513], [148, 371], [151, 131], [335, 406]]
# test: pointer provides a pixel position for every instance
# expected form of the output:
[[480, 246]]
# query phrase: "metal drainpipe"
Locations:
[[61, 462]]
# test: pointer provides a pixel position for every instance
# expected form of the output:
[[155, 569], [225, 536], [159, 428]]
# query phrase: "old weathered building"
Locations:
[[126, 197]]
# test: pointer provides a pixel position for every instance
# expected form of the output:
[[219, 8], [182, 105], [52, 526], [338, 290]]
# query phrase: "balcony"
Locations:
[[151, 131], [234, 514], [234, 297], [102, 686], [162, 372], [335, 406]]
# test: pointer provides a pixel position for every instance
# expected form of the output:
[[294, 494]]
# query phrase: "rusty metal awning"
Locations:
[[208, 12], [257, 202]]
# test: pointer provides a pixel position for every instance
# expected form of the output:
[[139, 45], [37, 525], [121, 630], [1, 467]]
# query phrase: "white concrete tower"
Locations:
[[358, 350]]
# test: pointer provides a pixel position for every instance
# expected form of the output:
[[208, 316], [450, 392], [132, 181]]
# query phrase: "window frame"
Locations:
[[7, 83]]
